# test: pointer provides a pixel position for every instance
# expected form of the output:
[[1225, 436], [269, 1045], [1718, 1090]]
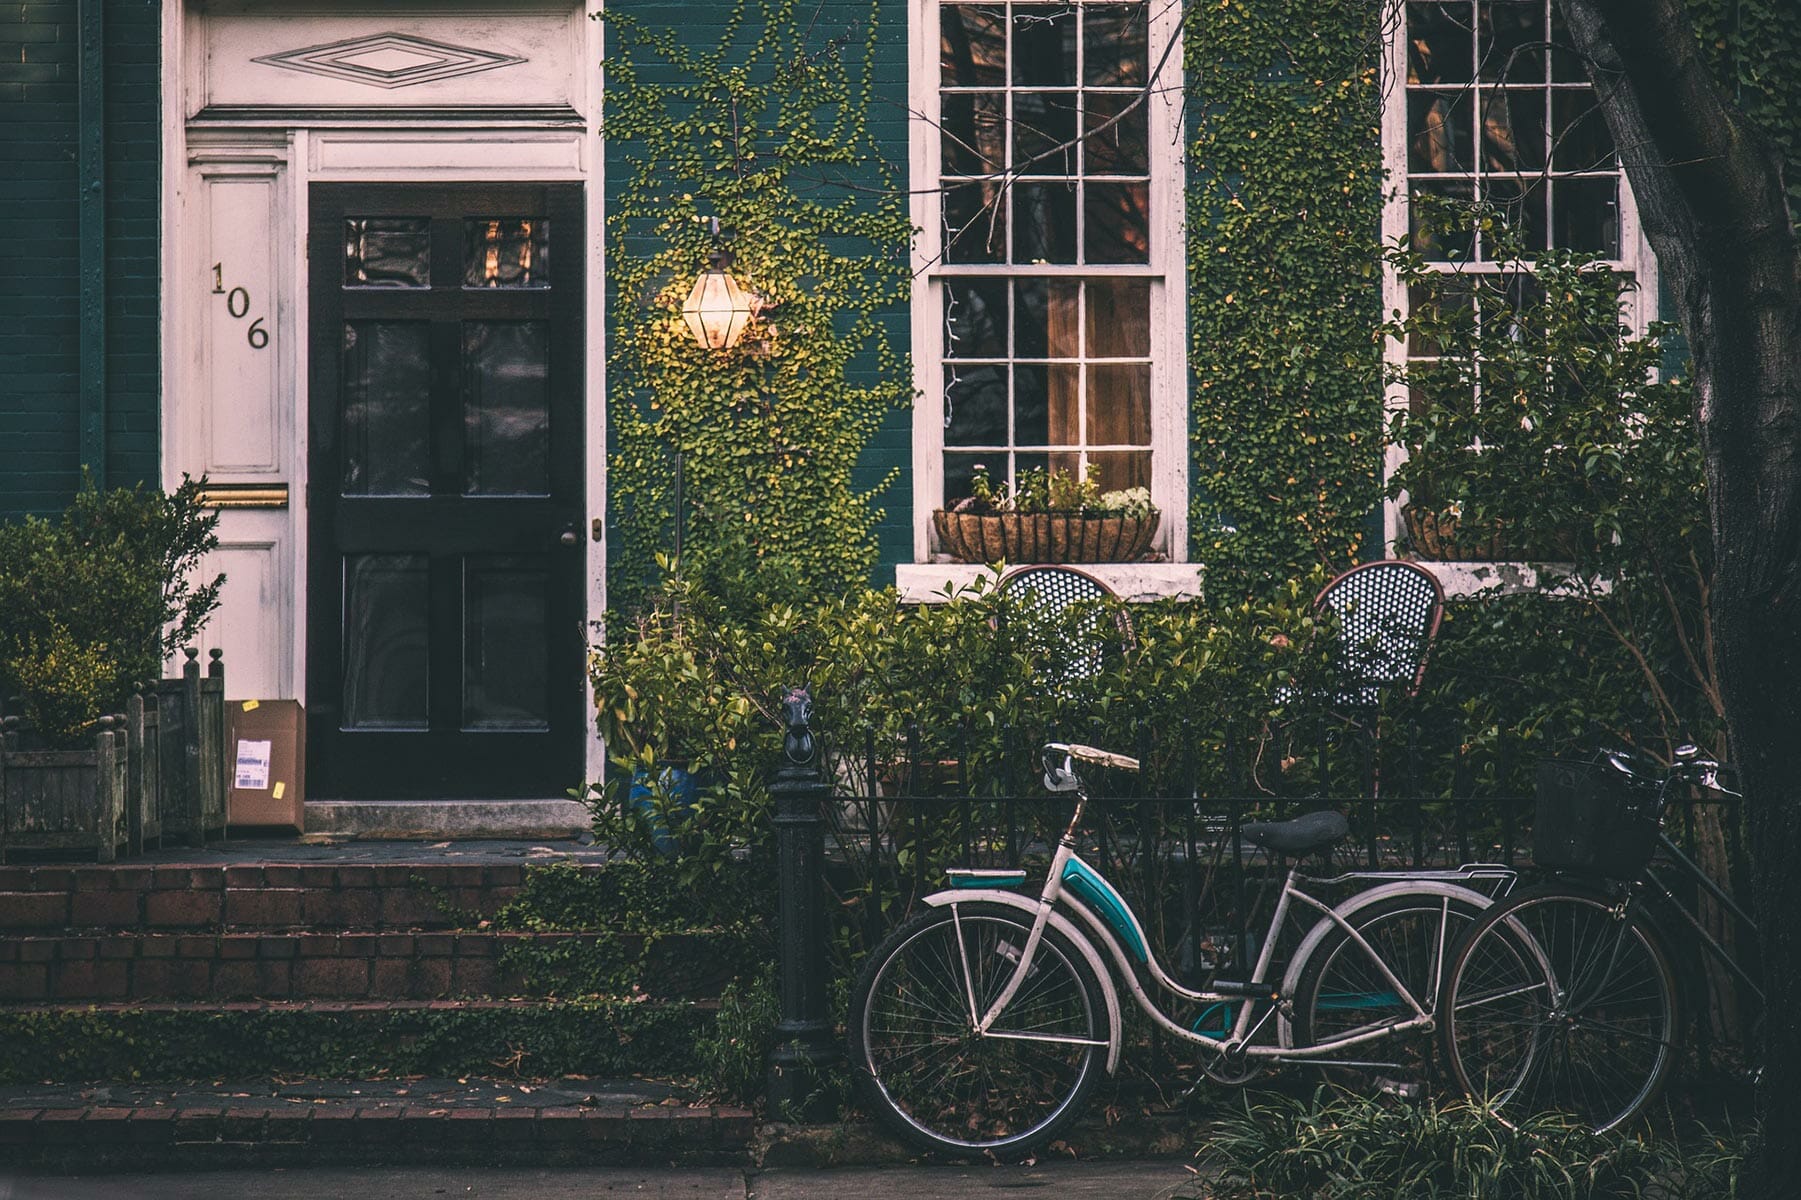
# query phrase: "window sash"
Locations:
[[1165, 272]]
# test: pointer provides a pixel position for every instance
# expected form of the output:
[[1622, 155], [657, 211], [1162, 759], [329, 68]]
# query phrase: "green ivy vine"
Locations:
[[768, 131], [1284, 284]]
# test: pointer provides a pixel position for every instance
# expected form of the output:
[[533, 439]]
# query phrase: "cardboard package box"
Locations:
[[268, 763]]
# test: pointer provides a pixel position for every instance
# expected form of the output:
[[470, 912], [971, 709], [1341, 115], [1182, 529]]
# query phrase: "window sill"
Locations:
[[928, 583], [1461, 580]]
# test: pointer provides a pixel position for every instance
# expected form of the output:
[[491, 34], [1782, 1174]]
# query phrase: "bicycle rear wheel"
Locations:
[[918, 1061], [1342, 993], [1562, 1000]]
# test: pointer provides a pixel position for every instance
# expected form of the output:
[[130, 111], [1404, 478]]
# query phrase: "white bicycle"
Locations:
[[982, 1024]]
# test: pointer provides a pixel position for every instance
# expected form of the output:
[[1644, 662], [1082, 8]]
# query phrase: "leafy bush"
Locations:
[[733, 1059], [94, 602], [65, 684], [1352, 1147]]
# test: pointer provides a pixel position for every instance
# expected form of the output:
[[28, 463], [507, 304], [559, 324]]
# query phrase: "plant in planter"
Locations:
[[90, 606], [1047, 517]]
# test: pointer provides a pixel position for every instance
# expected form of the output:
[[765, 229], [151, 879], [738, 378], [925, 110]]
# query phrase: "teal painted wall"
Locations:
[[701, 24], [40, 329]]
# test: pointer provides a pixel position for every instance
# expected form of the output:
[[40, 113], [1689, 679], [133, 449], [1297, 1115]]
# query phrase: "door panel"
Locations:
[[445, 644]]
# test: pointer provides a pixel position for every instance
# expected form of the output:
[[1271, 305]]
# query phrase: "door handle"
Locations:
[[569, 537]]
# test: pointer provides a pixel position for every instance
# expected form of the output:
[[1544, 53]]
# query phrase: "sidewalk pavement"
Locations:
[[1160, 1179]]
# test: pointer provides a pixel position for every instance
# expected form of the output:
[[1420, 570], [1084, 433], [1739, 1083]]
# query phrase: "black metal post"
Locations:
[[805, 1044]]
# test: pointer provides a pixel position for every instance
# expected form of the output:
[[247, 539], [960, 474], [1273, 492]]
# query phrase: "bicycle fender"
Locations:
[[1429, 887], [1064, 926]]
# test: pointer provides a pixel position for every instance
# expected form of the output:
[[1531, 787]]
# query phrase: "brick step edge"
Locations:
[[434, 895], [103, 1138], [598, 1036], [346, 965]]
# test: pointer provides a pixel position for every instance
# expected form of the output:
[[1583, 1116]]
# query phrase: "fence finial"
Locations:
[[798, 745]]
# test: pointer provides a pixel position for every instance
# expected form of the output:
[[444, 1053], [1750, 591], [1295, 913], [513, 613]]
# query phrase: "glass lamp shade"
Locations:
[[718, 309]]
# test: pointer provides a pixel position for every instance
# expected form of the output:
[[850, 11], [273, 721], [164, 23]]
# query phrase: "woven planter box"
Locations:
[[1436, 537], [1044, 537]]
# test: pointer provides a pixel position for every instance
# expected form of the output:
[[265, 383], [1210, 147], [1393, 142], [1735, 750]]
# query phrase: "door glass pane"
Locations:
[[506, 408], [506, 647], [390, 252], [506, 252], [387, 601], [387, 408]]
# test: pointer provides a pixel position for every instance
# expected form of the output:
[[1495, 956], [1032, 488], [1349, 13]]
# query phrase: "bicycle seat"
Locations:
[[1304, 834]]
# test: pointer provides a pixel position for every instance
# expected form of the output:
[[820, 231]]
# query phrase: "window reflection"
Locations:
[[506, 252]]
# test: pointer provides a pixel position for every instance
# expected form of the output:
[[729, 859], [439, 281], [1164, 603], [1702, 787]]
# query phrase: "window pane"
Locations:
[[506, 643], [387, 601], [1513, 130], [1511, 40], [1044, 133], [1119, 404], [1440, 42], [1031, 406], [1120, 469], [1044, 222], [1118, 228], [506, 252], [386, 411], [1583, 142], [1062, 407], [975, 406], [506, 408], [1446, 299], [1436, 242], [1522, 204], [1044, 315], [1044, 46], [972, 45], [1587, 215], [975, 224], [1438, 131], [975, 318], [387, 252], [971, 127], [1119, 318], [960, 468], [1116, 141], [1566, 64], [1115, 50]]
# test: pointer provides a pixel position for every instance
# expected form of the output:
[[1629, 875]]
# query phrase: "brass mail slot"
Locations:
[[244, 495]]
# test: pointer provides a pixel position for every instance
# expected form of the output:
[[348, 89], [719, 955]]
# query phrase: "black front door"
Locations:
[[444, 607]]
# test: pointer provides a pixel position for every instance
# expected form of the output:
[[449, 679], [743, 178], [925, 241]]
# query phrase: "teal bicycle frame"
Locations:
[[1080, 903]]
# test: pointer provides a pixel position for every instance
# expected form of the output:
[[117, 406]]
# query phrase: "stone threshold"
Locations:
[[432, 820]]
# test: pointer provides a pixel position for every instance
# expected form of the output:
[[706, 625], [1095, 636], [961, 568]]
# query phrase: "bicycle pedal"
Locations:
[[1405, 1089]]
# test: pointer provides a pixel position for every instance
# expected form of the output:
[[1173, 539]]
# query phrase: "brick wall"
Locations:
[[40, 256]]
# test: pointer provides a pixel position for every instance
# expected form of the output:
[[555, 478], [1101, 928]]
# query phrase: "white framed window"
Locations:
[[1048, 313], [1486, 100]]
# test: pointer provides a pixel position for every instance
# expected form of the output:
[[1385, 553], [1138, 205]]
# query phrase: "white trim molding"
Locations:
[[935, 583]]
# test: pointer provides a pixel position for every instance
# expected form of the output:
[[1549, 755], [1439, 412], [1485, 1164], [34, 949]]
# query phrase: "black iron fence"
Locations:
[[1170, 837]]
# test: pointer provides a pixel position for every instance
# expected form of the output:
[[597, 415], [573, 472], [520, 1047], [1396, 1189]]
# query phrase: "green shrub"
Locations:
[[1350, 1147], [64, 684], [94, 602], [733, 1060]]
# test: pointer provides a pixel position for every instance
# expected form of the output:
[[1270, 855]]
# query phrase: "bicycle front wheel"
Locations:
[[1560, 1000], [921, 1066]]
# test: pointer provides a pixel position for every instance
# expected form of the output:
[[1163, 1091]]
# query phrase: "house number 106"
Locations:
[[237, 303]]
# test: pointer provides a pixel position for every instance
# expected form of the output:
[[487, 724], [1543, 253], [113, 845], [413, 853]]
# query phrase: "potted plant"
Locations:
[[90, 607], [1047, 517]]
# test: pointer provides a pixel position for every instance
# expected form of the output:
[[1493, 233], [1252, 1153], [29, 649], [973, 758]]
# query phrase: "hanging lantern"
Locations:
[[718, 309]]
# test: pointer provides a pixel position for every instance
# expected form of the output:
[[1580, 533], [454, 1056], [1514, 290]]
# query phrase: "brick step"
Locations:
[[88, 1138], [367, 964], [340, 1039], [403, 895]]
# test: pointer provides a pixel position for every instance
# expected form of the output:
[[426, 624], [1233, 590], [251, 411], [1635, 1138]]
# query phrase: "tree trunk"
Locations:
[[1710, 195]]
